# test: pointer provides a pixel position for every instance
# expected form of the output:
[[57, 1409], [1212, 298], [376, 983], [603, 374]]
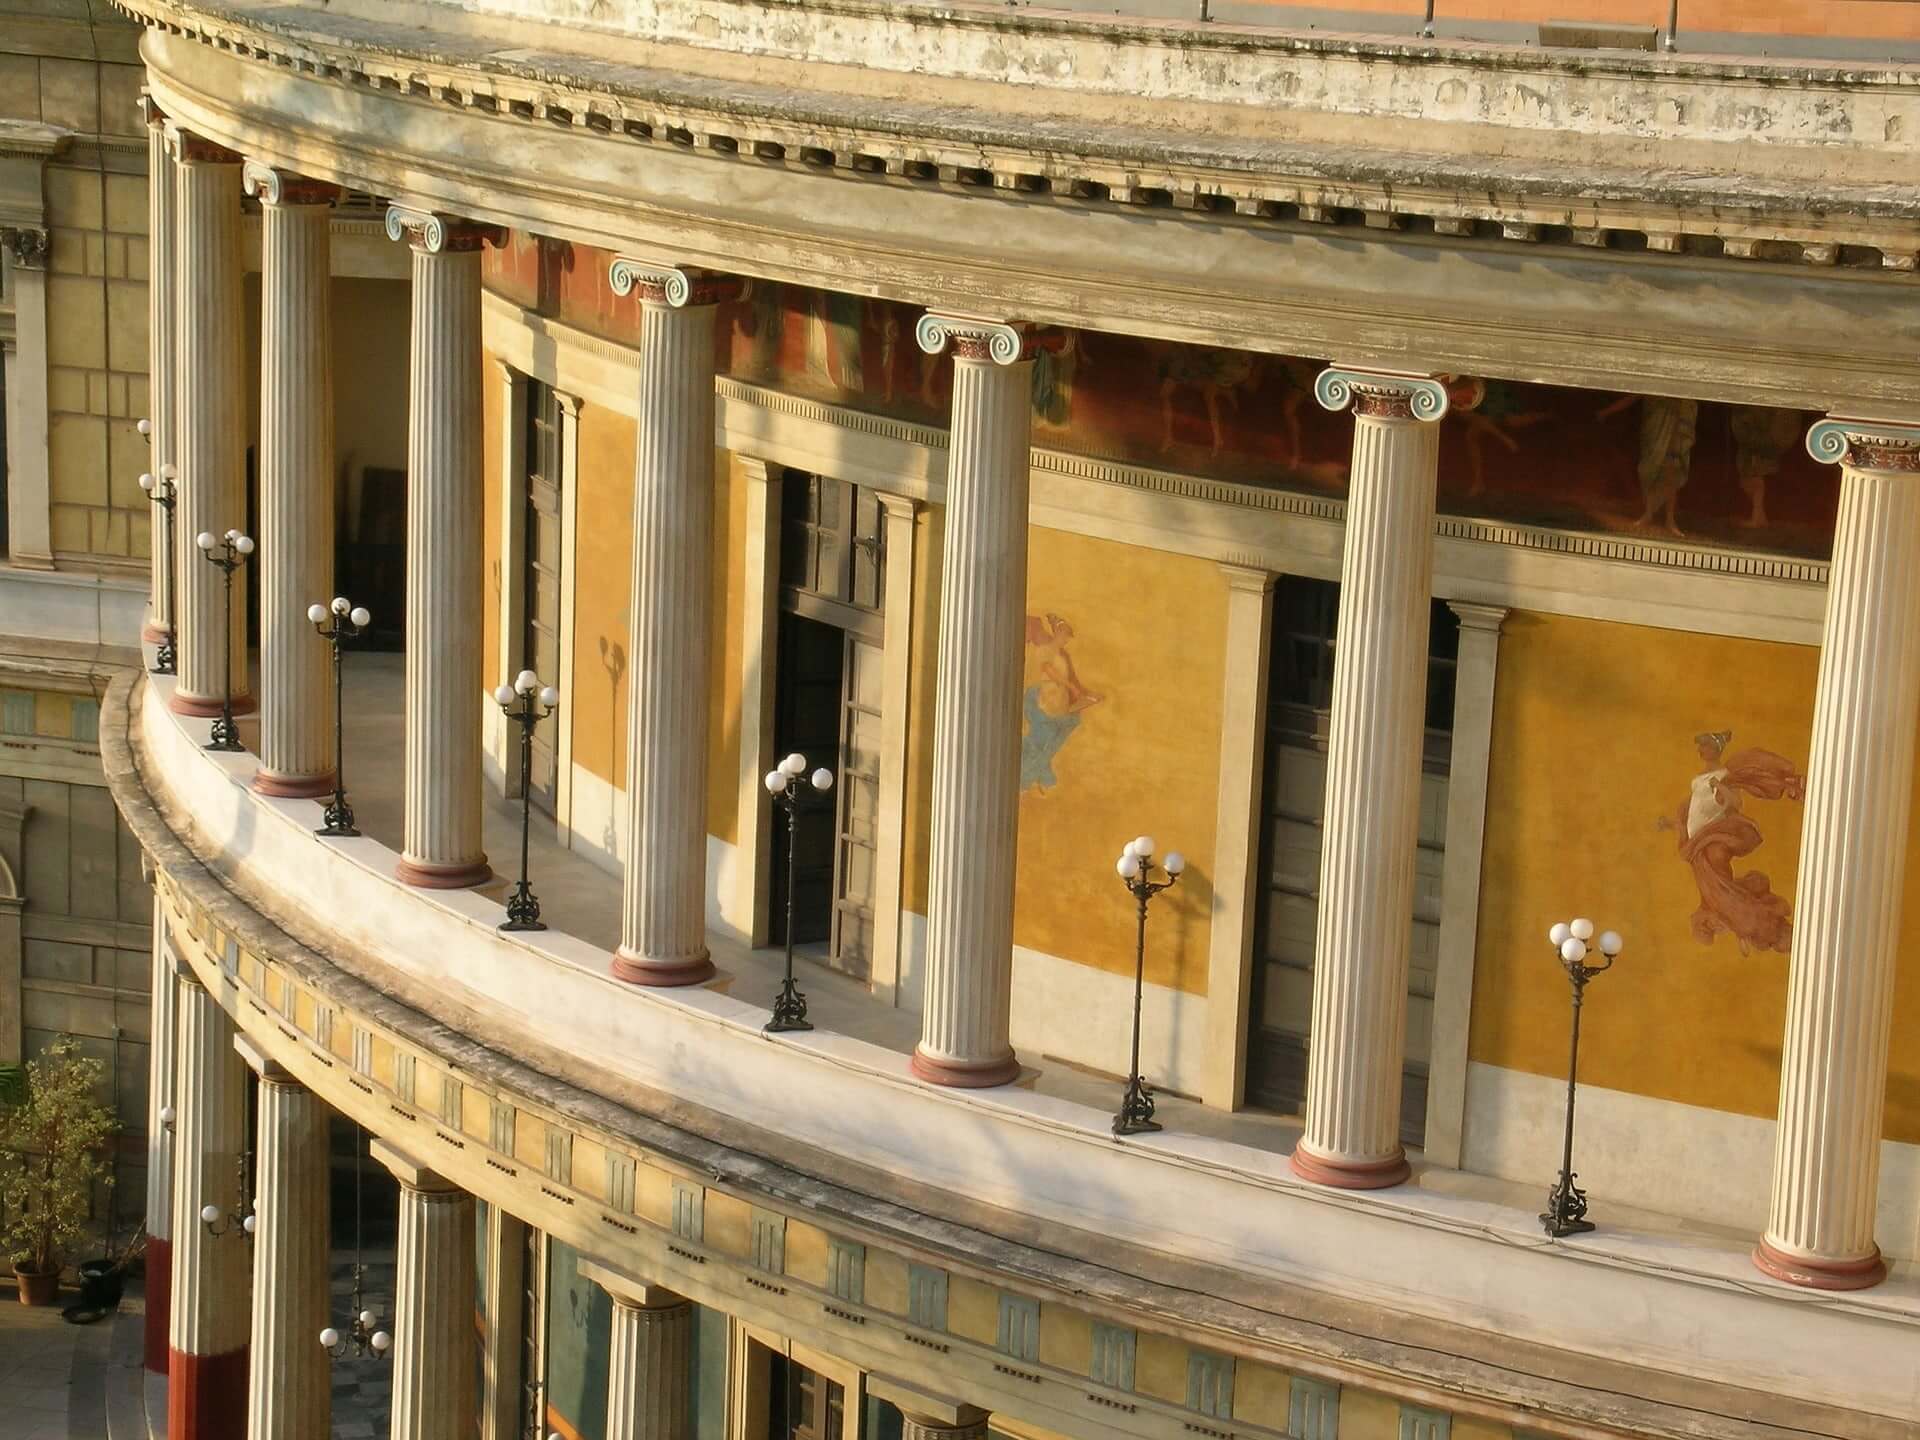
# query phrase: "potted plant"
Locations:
[[53, 1138]]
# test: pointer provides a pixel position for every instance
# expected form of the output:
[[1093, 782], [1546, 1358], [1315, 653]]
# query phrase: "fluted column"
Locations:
[[163, 1022], [1833, 1071], [1375, 735], [445, 503], [160, 367], [976, 726], [648, 1365], [289, 1395], [211, 408], [435, 1374], [207, 1370], [925, 1415], [663, 929], [296, 480]]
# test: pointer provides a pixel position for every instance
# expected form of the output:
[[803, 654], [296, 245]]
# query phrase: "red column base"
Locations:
[[208, 706], [661, 974], [1861, 1274], [966, 1074], [293, 787], [1351, 1174], [159, 1302], [207, 1396], [442, 877]]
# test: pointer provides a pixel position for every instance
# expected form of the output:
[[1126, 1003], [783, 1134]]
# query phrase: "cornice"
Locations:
[[1665, 212]]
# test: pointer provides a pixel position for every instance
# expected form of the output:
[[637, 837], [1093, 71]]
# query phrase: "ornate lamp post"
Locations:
[[217, 1222], [526, 703], [1566, 1203], [783, 783], [362, 1337], [1135, 867], [233, 549], [340, 621], [165, 494]]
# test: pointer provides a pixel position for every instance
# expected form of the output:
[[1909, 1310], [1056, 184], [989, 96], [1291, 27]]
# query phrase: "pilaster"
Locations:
[[649, 1364], [1375, 737], [296, 480], [964, 1037], [1833, 1072], [161, 279]]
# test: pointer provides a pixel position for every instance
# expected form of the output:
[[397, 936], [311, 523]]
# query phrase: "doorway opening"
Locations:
[[827, 707]]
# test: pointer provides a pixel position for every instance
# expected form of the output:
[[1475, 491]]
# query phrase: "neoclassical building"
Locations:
[[1441, 488]]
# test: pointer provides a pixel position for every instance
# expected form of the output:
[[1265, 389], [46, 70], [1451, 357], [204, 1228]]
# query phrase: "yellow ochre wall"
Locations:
[[1592, 743], [603, 661], [1148, 638]]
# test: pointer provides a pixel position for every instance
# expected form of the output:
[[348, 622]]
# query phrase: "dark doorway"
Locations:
[[807, 720]]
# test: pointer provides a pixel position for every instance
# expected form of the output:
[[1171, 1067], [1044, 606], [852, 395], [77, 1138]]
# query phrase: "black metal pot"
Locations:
[[102, 1283]]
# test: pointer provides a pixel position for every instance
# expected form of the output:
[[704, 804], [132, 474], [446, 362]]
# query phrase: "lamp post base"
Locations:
[[789, 1010], [1136, 1110]]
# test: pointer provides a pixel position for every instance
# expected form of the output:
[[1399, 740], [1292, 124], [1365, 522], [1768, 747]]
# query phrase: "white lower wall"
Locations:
[[78, 609], [1085, 1016], [598, 834], [1677, 1159]]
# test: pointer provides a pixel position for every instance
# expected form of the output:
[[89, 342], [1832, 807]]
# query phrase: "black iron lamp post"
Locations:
[[1566, 1203], [363, 1336], [166, 495], [526, 703], [1135, 868], [338, 622], [241, 1221], [789, 795], [229, 552]]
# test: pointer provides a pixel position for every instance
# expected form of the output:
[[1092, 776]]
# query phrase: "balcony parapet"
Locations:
[[1674, 1303]]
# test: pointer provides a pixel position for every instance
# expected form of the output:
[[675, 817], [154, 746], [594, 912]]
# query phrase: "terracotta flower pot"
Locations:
[[37, 1288]]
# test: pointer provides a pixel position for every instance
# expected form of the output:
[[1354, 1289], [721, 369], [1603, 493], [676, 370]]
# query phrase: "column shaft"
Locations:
[[434, 1355], [663, 930], [964, 1037], [289, 1395], [1372, 815], [211, 409], [1833, 1075], [161, 393], [445, 504], [296, 483], [648, 1371], [207, 1376], [161, 1051]]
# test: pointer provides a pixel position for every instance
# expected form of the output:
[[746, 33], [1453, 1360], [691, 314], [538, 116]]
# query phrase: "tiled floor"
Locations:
[[36, 1368]]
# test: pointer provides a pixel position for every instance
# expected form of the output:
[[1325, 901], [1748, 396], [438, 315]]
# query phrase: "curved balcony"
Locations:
[[1445, 1282]]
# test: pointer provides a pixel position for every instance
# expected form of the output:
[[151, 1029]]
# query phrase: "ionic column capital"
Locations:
[[677, 287], [1888, 446], [928, 1415], [151, 113], [1394, 394], [271, 186], [1004, 342], [188, 148], [431, 233]]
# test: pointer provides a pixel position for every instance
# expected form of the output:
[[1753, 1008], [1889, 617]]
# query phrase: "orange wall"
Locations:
[[603, 662], [1592, 745], [1883, 19], [1145, 753]]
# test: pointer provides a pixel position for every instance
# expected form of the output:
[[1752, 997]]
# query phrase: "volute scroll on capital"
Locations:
[[1866, 444], [272, 186], [675, 286], [1395, 394], [28, 245], [1004, 342], [435, 234]]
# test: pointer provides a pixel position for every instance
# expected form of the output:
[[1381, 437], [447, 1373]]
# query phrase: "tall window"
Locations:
[[541, 578]]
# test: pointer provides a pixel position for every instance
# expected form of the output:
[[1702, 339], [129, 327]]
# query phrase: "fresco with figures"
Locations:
[[1723, 475]]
